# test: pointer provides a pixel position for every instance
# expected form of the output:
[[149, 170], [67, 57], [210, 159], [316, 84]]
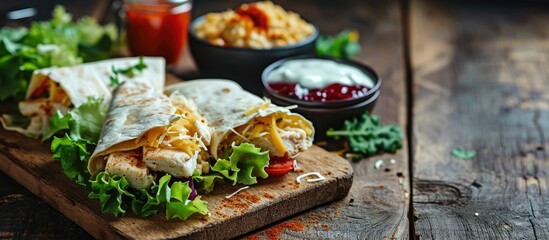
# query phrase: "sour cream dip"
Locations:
[[318, 74]]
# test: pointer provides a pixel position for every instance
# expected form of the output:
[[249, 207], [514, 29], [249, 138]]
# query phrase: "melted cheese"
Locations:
[[253, 110], [180, 135], [277, 140], [267, 128]]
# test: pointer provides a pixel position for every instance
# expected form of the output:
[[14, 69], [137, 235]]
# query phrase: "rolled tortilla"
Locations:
[[146, 131], [62, 88], [238, 116]]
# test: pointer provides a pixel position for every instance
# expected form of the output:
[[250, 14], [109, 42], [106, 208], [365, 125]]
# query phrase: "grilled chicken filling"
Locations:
[[174, 149], [44, 102], [274, 133], [129, 165]]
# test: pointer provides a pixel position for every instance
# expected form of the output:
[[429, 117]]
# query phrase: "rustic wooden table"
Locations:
[[456, 74]]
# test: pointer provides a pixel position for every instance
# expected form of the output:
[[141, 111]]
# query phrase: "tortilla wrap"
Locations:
[[226, 106], [74, 85], [137, 113]]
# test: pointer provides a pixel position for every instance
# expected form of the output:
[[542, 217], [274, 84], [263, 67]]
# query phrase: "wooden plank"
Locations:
[[29, 162], [480, 81], [378, 203]]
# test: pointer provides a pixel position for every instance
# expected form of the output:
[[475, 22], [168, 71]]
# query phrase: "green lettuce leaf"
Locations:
[[83, 127], [96, 42], [87, 120], [73, 155], [144, 204], [245, 164], [113, 193], [206, 182], [179, 206], [58, 122], [58, 42], [13, 34], [83, 122]]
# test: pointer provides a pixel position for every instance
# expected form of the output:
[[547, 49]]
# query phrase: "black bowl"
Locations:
[[326, 115], [245, 65]]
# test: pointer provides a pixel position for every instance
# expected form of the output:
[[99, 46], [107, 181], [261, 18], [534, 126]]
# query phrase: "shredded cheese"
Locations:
[[277, 140], [291, 107], [319, 177], [240, 189], [261, 106], [182, 134]]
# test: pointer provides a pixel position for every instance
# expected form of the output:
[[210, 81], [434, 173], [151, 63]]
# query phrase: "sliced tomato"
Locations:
[[280, 165], [41, 90]]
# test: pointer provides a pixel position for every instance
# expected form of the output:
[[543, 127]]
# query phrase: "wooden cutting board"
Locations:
[[29, 162]]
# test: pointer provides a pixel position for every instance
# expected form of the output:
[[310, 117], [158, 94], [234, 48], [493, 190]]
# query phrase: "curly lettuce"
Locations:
[[82, 127], [113, 193], [58, 42], [82, 122], [245, 164], [73, 155], [206, 182]]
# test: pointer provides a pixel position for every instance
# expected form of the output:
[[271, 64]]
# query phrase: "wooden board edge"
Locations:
[[278, 210], [100, 229]]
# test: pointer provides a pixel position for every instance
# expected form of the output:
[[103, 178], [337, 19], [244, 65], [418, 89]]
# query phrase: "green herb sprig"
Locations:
[[368, 137], [344, 45], [130, 71], [463, 154]]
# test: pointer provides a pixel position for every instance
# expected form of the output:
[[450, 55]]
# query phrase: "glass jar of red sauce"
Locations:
[[157, 27]]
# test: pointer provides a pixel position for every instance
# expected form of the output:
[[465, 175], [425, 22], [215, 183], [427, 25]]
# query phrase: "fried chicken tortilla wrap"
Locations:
[[147, 132], [63, 88], [237, 116]]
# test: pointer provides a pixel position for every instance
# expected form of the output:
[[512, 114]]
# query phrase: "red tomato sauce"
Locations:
[[157, 30]]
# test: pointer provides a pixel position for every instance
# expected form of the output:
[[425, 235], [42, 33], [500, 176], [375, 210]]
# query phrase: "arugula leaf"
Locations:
[[463, 154], [130, 71], [344, 45], [368, 136], [245, 164]]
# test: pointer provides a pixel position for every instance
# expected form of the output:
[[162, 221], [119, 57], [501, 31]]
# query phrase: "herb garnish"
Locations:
[[463, 154], [344, 45], [368, 137], [130, 71]]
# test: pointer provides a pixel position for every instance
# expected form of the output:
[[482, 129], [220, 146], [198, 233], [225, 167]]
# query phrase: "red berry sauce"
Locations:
[[332, 92]]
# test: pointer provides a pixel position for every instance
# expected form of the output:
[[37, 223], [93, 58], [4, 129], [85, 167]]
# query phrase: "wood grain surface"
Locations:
[[480, 77], [29, 162], [378, 203]]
